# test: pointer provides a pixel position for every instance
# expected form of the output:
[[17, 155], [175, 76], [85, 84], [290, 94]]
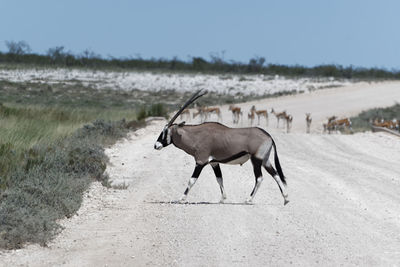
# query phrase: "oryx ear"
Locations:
[[181, 124]]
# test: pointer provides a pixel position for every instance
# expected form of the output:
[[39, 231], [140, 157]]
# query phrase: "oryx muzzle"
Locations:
[[213, 143]]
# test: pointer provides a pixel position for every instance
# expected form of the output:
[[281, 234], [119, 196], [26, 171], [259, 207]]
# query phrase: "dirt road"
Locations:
[[344, 193]]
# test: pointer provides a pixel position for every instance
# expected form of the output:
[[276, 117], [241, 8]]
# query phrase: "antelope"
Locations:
[[214, 143], [329, 125], [308, 122], [200, 112], [335, 124], [209, 111], [387, 124], [289, 119], [251, 115], [185, 113], [236, 112], [331, 119], [261, 113], [343, 123], [280, 115]]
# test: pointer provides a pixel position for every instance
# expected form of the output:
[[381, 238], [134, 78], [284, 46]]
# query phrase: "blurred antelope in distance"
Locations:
[[209, 111], [393, 124], [200, 113], [251, 115], [261, 113], [308, 122], [280, 115], [289, 119], [185, 114], [343, 123], [236, 113], [334, 124], [331, 119], [329, 126]]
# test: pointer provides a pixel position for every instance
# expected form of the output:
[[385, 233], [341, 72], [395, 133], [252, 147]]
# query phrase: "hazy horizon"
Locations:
[[307, 33]]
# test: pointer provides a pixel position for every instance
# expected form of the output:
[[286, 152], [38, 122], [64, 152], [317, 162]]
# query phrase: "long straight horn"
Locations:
[[196, 95]]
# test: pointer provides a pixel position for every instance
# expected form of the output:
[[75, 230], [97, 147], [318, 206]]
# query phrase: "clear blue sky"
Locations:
[[307, 32]]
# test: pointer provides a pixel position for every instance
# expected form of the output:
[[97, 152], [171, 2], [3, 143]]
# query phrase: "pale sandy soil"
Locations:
[[344, 192]]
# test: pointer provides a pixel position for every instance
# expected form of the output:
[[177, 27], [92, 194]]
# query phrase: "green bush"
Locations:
[[154, 110], [50, 182]]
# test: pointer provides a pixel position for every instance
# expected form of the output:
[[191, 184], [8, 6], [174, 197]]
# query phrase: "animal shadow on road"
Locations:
[[199, 203]]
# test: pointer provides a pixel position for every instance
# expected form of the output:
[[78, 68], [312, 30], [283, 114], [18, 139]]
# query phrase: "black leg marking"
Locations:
[[192, 180], [217, 170], [275, 175], [257, 163], [218, 175], [197, 170]]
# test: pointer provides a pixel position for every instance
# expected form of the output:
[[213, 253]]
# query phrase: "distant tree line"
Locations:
[[20, 53]]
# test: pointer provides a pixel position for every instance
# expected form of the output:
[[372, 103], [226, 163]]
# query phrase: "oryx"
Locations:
[[213, 143]]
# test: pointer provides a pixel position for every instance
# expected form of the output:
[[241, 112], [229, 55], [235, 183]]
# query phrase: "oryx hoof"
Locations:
[[286, 201], [182, 199], [249, 201]]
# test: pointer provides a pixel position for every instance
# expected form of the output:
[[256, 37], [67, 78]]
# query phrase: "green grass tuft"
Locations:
[[49, 183]]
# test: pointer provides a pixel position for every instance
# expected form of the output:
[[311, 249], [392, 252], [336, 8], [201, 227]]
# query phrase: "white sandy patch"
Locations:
[[149, 81]]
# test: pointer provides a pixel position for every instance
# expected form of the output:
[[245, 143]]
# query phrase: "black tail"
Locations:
[[278, 165]]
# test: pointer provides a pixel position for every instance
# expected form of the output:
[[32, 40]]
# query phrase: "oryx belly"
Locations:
[[239, 160]]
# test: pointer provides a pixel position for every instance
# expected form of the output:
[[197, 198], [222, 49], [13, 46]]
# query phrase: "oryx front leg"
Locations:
[[274, 174], [192, 181], [218, 175], [258, 175]]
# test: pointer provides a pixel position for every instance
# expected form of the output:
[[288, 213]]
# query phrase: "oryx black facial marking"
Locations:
[[213, 143], [164, 139], [193, 179]]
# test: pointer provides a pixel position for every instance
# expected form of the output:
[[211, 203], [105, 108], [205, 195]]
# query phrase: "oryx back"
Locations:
[[214, 142]]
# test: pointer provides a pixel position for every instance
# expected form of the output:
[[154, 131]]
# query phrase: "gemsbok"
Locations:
[[213, 143], [308, 122]]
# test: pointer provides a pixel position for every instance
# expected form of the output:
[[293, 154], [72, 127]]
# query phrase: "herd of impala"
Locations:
[[210, 113], [332, 124]]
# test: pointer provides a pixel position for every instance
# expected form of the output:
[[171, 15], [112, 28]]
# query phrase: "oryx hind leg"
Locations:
[[274, 174], [257, 163], [192, 181], [218, 175]]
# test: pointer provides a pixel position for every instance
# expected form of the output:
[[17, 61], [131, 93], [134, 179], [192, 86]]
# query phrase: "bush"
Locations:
[[155, 110], [50, 183]]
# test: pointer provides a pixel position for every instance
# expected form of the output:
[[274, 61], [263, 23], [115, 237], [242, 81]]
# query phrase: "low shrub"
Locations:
[[50, 183], [154, 110]]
